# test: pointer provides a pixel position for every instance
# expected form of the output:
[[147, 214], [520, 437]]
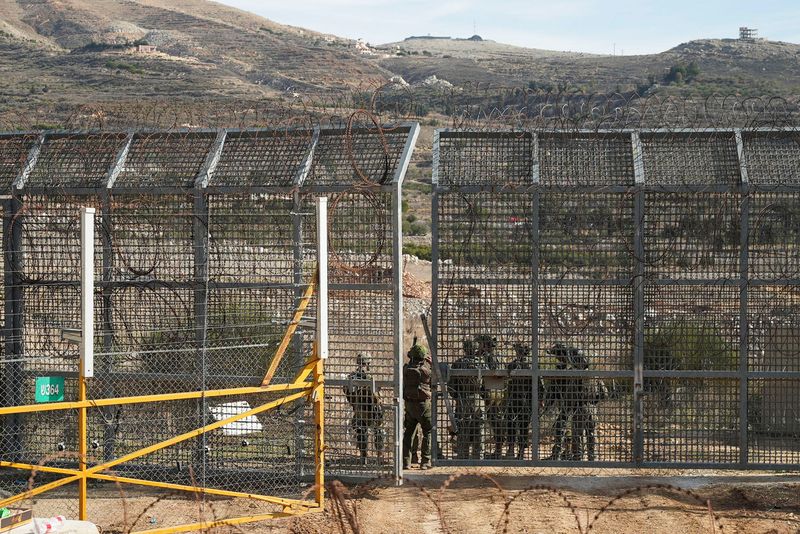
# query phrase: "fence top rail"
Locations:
[[151, 160], [689, 159], [466, 133]]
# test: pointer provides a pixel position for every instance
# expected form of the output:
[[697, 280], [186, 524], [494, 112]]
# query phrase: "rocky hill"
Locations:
[[725, 65], [56, 54]]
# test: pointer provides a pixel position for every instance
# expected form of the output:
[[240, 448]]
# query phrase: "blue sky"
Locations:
[[637, 27]]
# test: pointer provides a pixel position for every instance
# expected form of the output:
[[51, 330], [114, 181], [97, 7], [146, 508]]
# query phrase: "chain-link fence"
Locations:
[[618, 297], [205, 246]]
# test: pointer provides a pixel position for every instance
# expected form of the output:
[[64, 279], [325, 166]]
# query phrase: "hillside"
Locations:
[[57, 54], [75, 51], [726, 65]]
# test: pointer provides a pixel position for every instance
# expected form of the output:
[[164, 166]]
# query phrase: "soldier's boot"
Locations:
[[498, 450], [555, 454], [590, 446], [521, 452], [510, 452]]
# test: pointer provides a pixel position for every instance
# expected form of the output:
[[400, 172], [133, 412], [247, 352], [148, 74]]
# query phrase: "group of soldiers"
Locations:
[[504, 402], [368, 411], [499, 404]]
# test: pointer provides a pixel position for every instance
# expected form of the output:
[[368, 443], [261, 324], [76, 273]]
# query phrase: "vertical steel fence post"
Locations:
[[15, 306], [201, 219], [744, 266], [638, 298], [106, 235], [87, 344], [535, 203], [397, 288], [435, 192], [321, 347], [11, 388]]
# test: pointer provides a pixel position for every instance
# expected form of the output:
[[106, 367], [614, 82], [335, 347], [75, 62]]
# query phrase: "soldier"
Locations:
[[562, 393], [417, 397], [519, 404], [584, 421], [466, 394], [367, 409], [493, 392], [576, 399]]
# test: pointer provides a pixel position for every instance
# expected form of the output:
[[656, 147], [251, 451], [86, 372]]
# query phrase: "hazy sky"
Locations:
[[636, 26]]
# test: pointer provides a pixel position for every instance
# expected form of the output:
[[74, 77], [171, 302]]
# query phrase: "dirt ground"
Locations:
[[519, 500]]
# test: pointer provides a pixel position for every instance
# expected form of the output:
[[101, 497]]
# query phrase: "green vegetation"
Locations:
[[115, 64], [681, 73], [688, 344], [423, 252]]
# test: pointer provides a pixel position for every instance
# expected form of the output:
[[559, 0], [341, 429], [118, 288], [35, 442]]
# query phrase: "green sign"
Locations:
[[49, 389]]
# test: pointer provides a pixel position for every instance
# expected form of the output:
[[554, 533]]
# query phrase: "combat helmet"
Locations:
[[417, 352], [363, 360]]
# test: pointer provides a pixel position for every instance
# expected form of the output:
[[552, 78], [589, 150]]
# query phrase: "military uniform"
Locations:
[[466, 393], [584, 422], [576, 399], [519, 402], [367, 410], [494, 392], [563, 394], [417, 397]]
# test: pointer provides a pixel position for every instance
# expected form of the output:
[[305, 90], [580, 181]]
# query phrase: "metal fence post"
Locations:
[[744, 260], [535, 203], [397, 288], [321, 345], [638, 298], [12, 391], [200, 240], [87, 346], [435, 293], [106, 366], [15, 306]]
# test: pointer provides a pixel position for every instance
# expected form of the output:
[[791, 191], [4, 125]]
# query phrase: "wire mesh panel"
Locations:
[[205, 246], [572, 159], [75, 160], [772, 158], [468, 158], [654, 284], [260, 159], [690, 158], [14, 152], [164, 160]]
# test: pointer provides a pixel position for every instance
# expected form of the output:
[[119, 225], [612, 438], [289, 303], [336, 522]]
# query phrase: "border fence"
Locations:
[[206, 247], [617, 297]]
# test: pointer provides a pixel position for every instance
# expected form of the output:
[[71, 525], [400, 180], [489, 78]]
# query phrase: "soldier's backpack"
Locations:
[[417, 381]]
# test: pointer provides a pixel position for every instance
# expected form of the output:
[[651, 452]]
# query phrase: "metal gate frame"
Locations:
[[309, 384], [638, 190]]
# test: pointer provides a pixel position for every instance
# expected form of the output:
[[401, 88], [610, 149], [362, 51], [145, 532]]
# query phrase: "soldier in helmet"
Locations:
[[494, 393], [367, 409], [562, 394], [576, 399], [519, 403], [466, 394], [417, 397], [591, 390]]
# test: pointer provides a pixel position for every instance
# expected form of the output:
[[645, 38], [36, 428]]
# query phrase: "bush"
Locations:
[[423, 252], [688, 344], [682, 345], [114, 64], [680, 73]]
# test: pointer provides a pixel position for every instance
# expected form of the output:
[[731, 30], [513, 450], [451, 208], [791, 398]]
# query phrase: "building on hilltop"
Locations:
[[749, 35]]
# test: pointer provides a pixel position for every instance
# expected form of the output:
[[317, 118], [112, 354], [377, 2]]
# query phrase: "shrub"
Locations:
[[423, 252]]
